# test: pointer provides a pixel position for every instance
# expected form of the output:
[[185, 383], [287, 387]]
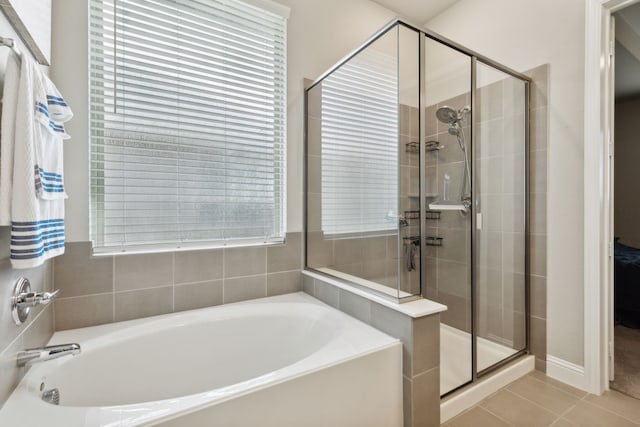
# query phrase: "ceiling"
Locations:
[[417, 12], [627, 67]]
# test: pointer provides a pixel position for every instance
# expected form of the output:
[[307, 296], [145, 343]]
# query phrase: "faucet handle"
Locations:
[[23, 299], [31, 299]]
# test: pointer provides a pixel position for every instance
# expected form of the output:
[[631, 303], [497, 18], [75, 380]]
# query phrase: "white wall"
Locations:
[[522, 35], [320, 34]]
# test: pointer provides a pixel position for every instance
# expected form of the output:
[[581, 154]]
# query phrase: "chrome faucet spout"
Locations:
[[35, 355]]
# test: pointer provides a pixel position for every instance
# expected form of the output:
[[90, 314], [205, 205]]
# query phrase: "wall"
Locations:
[[523, 36], [627, 205], [105, 289], [39, 326]]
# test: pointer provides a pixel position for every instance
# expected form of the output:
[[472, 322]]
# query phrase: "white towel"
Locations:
[[51, 111], [37, 218], [7, 136]]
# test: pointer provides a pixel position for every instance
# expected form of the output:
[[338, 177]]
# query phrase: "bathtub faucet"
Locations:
[[35, 355]]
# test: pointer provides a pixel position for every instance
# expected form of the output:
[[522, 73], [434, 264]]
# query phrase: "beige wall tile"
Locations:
[[397, 325], [538, 344], [143, 271], [285, 257], [10, 374], [78, 273], [426, 344], [197, 295], [79, 312], [327, 293], [407, 402], [283, 283], [308, 285], [198, 266], [355, 306], [144, 303], [245, 261], [245, 288], [538, 254], [425, 395], [319, 250], [41, 330], [538, 295]]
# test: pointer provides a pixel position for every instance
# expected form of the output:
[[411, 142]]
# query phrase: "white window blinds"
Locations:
[[187, 123], [360, 146]]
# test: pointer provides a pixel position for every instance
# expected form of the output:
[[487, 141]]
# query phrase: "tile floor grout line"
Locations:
[[495, 415], [558, 388], [531, 401], [612, 412], [561, 414]]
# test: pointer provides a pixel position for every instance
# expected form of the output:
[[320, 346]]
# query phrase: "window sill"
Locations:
[[183, 247]]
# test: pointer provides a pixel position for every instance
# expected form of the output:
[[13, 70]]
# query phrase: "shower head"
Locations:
[[450, 115], [447, 115]]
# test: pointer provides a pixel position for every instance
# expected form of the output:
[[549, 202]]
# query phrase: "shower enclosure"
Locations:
[[416, 186]]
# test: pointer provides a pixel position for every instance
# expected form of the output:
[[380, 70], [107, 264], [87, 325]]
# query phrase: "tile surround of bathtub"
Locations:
[[104, 289], [38, 328], [420, 339]]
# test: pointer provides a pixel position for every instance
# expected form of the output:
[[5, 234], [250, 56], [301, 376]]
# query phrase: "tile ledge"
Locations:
[[417, 308]]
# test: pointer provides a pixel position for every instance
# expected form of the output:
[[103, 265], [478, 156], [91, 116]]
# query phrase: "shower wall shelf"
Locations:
[[447, 206], [433, 146], [433, 241], [427, 195], [412, 239], [412, 147], [413, 214], [432, 214]]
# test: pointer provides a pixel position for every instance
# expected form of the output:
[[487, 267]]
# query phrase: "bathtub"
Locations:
[[288, 360]]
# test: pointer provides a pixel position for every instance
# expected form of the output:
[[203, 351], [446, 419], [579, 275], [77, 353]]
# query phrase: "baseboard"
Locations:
[[567, 372]]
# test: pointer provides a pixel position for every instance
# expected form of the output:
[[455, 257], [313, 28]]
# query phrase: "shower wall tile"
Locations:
[[314, 136], [146, 285]]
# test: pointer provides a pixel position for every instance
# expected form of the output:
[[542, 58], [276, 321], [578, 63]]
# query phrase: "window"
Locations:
[[360, 146], [188, 122]]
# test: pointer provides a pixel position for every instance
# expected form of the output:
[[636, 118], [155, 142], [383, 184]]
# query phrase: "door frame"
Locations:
[[598, 192]]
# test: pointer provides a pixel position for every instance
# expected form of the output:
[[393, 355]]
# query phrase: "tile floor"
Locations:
[[537, 400]]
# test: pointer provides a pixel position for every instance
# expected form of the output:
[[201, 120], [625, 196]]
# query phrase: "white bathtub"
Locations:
[[279, 361]]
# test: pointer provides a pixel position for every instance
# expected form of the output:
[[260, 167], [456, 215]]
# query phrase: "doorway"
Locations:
[[624, 277]]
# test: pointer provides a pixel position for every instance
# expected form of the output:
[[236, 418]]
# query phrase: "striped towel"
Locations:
[[37, 197]]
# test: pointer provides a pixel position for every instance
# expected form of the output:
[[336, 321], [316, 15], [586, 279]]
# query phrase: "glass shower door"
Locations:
[[500, 221], [448, 217]]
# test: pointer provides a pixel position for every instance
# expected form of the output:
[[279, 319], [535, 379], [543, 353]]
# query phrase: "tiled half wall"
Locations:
[[105, 289], [420, 347]]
